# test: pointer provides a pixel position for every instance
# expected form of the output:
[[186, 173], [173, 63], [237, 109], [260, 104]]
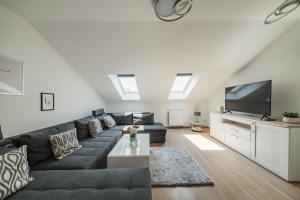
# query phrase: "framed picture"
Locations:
[[11, 76], [47, 101]]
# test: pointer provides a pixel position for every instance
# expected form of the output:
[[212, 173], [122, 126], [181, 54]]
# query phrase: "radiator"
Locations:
[[175, 117]]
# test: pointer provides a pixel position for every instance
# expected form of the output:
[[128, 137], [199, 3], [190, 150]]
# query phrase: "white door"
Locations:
[[272, 148], [215, 127]]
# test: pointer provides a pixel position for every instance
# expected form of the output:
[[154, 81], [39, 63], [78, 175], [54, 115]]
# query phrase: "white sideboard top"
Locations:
[[257, 120]]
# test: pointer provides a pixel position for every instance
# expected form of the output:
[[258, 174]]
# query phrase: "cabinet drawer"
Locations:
[[238, 143], [235, 130], [240, 132]]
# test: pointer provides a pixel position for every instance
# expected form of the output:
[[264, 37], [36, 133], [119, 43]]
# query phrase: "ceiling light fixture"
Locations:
[[283, 10], [171, 10]]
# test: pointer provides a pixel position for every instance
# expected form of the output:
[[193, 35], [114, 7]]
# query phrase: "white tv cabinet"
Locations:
[[272, 144]]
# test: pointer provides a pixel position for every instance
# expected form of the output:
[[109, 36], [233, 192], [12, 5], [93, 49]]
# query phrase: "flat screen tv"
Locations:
[[253, 98]]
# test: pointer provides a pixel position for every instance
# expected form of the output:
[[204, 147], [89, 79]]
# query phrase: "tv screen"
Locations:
[[254, 98]]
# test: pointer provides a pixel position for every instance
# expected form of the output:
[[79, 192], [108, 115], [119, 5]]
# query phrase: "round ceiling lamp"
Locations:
[[171, 10], [283, 10]]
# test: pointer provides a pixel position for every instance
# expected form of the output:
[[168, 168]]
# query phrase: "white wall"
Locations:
[[281, 63], [45, 71], [160, 109]]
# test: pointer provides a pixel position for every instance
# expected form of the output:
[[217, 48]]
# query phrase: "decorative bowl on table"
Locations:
[[136, 126]]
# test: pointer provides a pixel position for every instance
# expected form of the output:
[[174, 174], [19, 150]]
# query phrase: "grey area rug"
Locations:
[[174, 166]]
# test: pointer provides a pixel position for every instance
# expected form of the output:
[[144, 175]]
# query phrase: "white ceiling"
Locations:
[[101, 37]]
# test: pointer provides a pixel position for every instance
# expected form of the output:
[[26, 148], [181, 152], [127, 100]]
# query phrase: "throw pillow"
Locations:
[[100, 118], [14, 171], [95, 127], [109, 121], [64, 144]]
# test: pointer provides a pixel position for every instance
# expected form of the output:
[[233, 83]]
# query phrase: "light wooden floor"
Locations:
[[235, 177]]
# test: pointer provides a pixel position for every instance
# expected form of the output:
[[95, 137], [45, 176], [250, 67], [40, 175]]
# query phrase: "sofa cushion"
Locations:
[[73, 162], [143, 118], [106, 140], [113, 184], [82, 127], [115, 134], [38, 143], [157, 132], [98, 112], [155, 127], [92, 154], [64, 144], [6, 145], [14, 171], [117, 128], [122, 118]]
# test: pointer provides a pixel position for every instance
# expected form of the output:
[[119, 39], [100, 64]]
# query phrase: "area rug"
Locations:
[[174, 166]]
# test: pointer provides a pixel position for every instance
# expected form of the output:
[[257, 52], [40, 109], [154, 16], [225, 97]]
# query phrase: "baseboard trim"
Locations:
[[179, 127]]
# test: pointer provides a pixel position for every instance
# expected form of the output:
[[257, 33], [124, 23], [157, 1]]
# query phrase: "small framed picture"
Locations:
[[47, 101]]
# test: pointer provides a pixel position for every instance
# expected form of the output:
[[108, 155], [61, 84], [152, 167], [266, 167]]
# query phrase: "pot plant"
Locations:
[[291, 118], [132, 134]]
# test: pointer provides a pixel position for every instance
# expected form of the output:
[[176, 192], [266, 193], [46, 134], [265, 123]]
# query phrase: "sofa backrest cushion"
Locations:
[[6, 145], [143, 118], [38, 143], [123, 118], [82, 126], [98, 112], [100, 118]]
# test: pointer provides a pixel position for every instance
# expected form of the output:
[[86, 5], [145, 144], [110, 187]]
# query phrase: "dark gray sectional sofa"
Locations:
[[92, 155], [156, 130], [82, 175]]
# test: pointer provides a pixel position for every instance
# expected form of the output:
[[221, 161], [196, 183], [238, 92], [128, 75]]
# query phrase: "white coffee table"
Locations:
[[125, 155]]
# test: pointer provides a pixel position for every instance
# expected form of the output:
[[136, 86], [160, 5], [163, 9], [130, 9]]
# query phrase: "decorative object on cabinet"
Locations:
[[222, 110], [291, 118]]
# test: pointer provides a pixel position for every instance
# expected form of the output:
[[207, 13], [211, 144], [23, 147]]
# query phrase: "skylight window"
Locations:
[[183, 85], [181, 82], [128, 83], [126, 86]]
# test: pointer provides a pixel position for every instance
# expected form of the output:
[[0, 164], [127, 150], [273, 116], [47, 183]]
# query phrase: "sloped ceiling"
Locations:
[[101, 37]]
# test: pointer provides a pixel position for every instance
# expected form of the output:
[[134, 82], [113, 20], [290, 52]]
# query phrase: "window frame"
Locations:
[[181, 95], [126, 96]]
